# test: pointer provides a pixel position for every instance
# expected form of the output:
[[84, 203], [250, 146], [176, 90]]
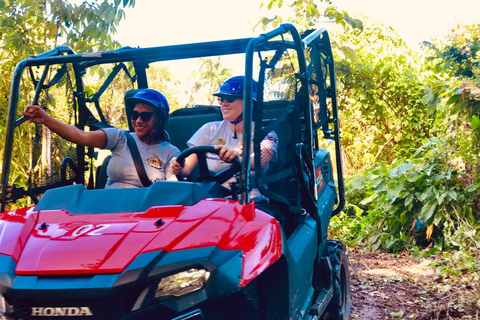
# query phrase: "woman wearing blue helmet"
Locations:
[[149, 111], [226, 135]]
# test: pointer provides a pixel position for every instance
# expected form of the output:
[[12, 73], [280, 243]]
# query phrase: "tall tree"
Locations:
[[30, 27], [306, 14], [210, 76]]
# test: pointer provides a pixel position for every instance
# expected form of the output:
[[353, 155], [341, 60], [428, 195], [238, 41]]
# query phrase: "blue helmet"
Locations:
[[151, 97], [234, 87]]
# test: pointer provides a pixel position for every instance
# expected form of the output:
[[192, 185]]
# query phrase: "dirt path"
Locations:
[[402, 287]]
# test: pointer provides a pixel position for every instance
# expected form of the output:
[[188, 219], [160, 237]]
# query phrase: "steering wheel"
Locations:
[[206, 174]]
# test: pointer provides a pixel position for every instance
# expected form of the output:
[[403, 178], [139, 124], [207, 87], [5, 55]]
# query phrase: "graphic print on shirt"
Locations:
[[154, 162], [220, 141]]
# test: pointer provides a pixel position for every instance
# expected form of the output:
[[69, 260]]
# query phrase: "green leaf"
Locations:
[[394, 173], [475, 122], [395, 189], [377, 181], [424, 195], [376, 241], [349, 53], [428, 210], [367, 200], [398, 314], [358, 183], [441, 198], [414, 176], [405, 167], [452, 194], [390, 242], [409, 200], [471, 188], [357, 23]]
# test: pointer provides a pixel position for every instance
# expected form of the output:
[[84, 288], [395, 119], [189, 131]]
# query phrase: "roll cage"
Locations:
[[314, 76]]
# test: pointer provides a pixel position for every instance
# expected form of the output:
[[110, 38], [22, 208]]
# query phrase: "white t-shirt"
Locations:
[[156, 159], [219, 133]]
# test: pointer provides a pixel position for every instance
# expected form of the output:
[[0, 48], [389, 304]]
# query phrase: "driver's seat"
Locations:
[[183, 123]]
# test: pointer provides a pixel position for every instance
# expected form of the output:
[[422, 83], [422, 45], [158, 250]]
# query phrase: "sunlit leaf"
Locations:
[[405, 167], [398, 314], [349, 53], [367, 200], [452, 194], [409, 199], [472, 188], [395, 189], [428, 210], [441, 197], [394, 173], [475, 122]]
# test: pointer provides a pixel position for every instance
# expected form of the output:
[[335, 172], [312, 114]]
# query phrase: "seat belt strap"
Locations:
[[137, 160]]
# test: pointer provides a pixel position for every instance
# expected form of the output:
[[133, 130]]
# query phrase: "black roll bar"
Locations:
[[12, 122], [321, 36], [253, 45]]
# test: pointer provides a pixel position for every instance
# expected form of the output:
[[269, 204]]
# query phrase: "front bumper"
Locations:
[[128, 296]]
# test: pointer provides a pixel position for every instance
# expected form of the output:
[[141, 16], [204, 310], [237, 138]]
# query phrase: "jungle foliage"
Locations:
[[428, 193], [423, 190], [31, 27], [410, 128]]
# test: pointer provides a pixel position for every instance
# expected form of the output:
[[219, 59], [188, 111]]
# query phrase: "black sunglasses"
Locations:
[[229, 99], [145, 116]]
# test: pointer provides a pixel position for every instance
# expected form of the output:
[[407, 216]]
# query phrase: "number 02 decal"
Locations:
[[90, 230]]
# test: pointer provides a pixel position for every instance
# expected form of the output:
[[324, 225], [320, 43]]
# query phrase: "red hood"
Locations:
[[55, 242]]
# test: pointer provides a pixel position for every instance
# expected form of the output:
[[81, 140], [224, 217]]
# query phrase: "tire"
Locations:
[[340, 306]]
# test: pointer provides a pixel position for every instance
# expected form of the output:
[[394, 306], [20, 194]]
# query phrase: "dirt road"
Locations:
[[385, 286]]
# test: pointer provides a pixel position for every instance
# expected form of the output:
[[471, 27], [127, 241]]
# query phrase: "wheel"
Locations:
[[205, 173], [340, 306]]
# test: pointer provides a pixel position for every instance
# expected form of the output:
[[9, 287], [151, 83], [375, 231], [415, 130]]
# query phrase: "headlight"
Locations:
[[182, 283]]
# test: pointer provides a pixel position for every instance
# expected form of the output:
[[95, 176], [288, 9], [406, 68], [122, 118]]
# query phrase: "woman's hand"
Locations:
[[176, 167], [35, 114], [227, 154]]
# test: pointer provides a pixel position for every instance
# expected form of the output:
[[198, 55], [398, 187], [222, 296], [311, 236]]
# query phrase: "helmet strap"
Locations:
[[239, 119]]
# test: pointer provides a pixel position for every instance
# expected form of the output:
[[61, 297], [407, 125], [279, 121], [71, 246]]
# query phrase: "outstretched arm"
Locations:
[[36, 114]]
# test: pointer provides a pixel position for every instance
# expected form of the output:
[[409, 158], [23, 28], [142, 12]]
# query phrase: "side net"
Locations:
[[278, 129]]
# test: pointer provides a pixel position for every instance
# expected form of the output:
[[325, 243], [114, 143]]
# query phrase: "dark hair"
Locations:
[[160, 127]]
